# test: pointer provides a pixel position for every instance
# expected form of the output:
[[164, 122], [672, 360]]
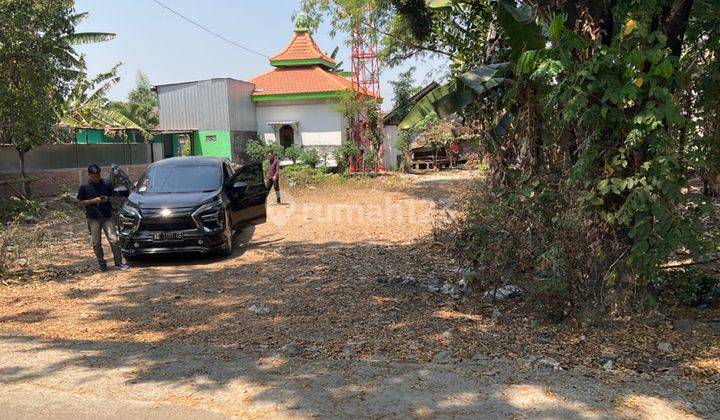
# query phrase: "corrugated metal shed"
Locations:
[[215, 104]]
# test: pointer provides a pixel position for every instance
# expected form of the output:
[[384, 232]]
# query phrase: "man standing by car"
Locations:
[[95, 198], [273, 175]]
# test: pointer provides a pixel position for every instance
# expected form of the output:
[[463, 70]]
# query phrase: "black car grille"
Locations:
[[167, 224]]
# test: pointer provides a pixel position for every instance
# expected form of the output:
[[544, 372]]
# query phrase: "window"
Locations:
[[250, 174], [167, 179]]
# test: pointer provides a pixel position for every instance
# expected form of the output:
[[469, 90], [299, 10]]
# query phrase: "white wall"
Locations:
[[392, 151], [319, 124]]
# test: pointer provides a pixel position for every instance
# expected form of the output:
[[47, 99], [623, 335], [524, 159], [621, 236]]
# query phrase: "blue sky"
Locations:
[[169, 49]]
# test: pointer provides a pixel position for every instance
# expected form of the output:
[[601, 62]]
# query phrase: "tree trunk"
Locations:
[[530, 158], [25, 185], [675, 20]]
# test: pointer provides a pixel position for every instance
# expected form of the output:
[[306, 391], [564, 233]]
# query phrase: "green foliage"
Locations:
[[631, 175], [15, 208], [141, 107], [187, 148], [369, 158], [293, 153], [35, 69], [87, 106], [277, 149], [301, 175], [591, 131], [450, 98], [310, 157], [403, 89], [256, 150], [346, 151]]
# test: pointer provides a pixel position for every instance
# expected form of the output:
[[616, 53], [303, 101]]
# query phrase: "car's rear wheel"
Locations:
[[227, 238]]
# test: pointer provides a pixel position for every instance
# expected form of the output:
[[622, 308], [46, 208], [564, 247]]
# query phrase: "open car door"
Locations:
[[247, 193]]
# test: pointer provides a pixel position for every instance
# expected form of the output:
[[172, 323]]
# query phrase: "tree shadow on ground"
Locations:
[[191, 329], [239, 382]]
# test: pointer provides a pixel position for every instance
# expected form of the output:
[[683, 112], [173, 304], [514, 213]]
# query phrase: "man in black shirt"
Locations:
[[95, 197]]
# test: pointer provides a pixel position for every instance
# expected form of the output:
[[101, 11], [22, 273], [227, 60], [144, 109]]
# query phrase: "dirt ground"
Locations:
[[318, 270]]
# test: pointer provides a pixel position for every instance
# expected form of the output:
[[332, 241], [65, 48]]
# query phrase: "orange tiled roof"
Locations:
[[302, 47], [298, 80]]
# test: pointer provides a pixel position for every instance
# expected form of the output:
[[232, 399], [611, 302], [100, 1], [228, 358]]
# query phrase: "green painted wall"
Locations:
[[92, 136], [97, 136], [221, 146]]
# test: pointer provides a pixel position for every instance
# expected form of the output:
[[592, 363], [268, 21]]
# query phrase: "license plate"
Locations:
[[167, 236]]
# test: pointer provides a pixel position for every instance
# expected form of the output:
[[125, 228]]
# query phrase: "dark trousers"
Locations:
[[276, 185]]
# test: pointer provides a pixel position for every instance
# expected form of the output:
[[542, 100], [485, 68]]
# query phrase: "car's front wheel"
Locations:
[[227, 247]]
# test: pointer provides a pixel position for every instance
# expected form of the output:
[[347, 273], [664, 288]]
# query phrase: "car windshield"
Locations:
[[167, 179]]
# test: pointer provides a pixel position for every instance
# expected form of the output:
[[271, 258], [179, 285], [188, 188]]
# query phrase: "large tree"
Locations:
[[38, 67], [34, 70], [585, 109]]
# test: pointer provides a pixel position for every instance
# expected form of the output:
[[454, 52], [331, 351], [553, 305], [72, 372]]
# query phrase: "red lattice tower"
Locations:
[[366, 81]]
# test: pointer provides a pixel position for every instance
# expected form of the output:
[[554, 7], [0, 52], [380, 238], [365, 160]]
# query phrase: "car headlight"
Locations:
[[129, 218], [210, 216]]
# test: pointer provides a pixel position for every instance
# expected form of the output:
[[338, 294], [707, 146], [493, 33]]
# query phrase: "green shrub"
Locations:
[[255, 149], [293, 153], [16, 208], [370, 159], [277, 149], [310, 157], [305, 175], [538, 238]]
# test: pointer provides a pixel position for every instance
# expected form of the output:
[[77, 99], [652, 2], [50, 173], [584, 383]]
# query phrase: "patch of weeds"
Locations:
[[691, 287], [299, 175], [16, 208]]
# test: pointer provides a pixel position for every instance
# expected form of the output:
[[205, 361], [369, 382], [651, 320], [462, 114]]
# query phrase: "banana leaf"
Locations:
[[453, 97], [518, 23], [522, 13], [424, 106], [87, 38], [454, 101]]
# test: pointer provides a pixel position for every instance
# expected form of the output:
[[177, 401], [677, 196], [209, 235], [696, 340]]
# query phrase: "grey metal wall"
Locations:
[[201, 105], [215, 104], [241, 106], [62, 156]]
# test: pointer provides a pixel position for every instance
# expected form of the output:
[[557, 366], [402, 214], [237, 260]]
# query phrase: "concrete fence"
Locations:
[[60, 167]]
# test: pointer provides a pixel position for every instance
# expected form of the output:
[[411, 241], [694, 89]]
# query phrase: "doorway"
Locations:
[[287, 136]]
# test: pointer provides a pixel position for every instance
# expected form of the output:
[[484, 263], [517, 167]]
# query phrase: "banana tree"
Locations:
[[80, 38], [87, 106], [521, 34]]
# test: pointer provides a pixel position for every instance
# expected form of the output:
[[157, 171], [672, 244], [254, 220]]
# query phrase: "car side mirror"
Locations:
[[121, 191]]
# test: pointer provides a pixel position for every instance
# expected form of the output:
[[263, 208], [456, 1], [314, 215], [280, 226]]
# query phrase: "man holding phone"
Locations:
[[95, 198]]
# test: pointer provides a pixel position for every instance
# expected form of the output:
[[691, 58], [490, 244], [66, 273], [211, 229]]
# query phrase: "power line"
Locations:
[[210, 31]]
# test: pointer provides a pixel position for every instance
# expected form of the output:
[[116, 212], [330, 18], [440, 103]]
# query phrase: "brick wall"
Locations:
[[54, 181]]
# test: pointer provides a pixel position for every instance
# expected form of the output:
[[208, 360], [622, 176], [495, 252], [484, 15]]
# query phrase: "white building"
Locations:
[[295, 103], [298, 101]]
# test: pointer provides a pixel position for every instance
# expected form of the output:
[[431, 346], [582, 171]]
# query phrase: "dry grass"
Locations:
[[316, 270]]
